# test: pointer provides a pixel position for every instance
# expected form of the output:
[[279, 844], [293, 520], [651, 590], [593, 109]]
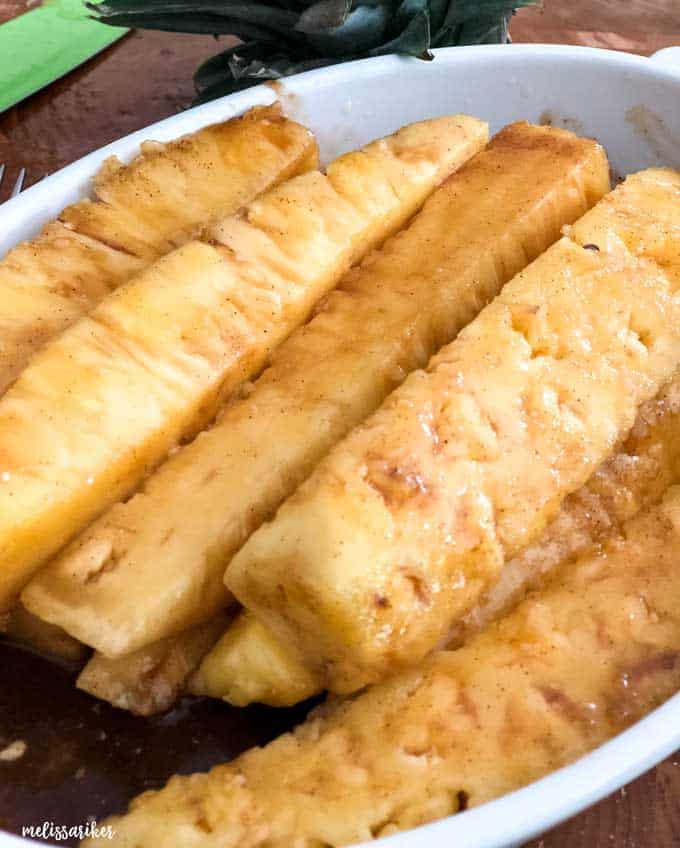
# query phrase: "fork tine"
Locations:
[[19, 184], [2, 172]]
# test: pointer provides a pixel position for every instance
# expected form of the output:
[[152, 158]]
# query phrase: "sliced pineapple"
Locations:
[[170, 191], [150, 680], [225, 480], [47, 284], [140, 212], [407, 523], [640, 217], [635, 477], [104, 403], [489, 219], [249, 665], [571, 667]]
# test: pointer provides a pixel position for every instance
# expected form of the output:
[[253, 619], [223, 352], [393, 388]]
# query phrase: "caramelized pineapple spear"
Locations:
[[234, 474], [492, 216], [641, 217], [149, 681], [407, 523], [249, 664], [245, 666], [140, 211], [573, 665], [104, 403]]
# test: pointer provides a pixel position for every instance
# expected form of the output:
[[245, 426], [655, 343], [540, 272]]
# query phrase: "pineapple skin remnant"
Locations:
[[233, 475], [102, 405], [140, 212], [248, 663], [573, 665], [149, 681], [407, 523]]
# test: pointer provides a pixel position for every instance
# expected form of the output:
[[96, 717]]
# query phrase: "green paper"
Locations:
[[42, 45]]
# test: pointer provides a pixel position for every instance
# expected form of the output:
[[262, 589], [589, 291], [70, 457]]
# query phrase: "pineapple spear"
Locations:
[[104, 403], [286, 37]]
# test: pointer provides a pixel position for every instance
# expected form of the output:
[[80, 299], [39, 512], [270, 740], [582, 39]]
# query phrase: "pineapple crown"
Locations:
[[286, 37]]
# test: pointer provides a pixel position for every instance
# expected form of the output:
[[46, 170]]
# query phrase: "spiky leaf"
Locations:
[[284, 37]]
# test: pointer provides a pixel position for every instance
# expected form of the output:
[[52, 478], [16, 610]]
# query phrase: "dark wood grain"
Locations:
[[147, 76], [637, 26]]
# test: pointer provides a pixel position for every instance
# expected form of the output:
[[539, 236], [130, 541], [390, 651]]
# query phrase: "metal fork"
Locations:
[[18, 185]]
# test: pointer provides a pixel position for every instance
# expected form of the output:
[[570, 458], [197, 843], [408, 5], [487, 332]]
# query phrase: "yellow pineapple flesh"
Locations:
[[407, 523], [641, 218], [244, 666], [145, 548], [388, 316], [104, 403], [572, 666], [172, 191], [140, 212], [150, 680], [249, 665], [20, 626]]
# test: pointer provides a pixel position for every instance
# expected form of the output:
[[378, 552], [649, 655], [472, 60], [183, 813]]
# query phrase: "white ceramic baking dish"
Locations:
[[631, 105]]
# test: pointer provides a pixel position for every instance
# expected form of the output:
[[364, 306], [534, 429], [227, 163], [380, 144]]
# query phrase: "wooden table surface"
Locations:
[[147, 76]]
